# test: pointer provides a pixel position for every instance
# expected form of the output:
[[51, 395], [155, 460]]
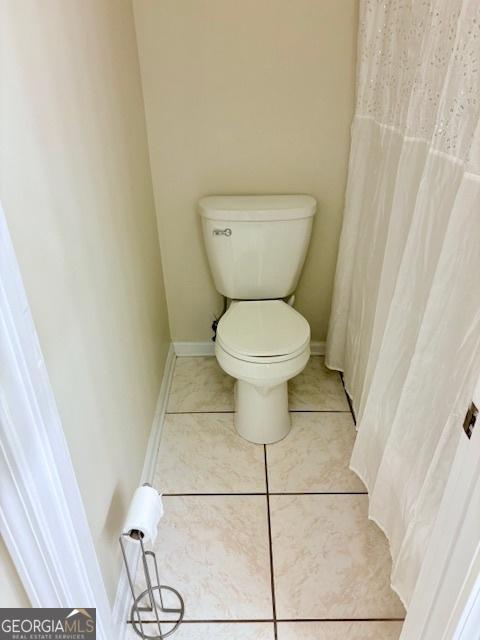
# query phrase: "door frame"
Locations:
[[446, 601], [42, 516]]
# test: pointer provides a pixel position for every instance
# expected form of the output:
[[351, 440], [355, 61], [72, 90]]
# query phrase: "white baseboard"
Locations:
[[194, 348], [208, 348], [122, 604], [317, 348], [157, 426]]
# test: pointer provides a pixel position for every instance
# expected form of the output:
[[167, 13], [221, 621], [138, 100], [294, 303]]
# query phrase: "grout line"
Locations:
[[341, 620], [202, 495], [319, 493], [270, 493], [319, 411], [271, 620], [215, 621], [181, 413], [272, 575]]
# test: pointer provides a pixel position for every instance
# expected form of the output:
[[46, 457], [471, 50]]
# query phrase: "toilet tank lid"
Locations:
[[258, 208]]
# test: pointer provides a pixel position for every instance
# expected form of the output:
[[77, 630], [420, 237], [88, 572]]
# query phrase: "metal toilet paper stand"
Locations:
[[137, 610]]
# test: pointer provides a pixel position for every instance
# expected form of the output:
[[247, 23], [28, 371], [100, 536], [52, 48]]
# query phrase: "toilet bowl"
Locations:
[[262, 344], [256, 247]]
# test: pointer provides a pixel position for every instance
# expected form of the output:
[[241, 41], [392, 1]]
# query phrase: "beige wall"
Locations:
[[75, 185], [12, 593], [249, 96]]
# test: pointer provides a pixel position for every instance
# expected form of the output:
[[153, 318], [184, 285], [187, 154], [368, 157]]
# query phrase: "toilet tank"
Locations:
[[256, 245]]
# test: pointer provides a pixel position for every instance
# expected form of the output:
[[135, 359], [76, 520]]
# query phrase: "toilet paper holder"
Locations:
[[166, 620]]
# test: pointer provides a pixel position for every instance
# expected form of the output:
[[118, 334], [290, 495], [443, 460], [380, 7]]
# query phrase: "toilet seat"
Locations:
[[262, 344], [263, 331]]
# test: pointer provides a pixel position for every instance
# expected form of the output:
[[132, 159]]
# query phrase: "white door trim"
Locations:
[[466, 616], [42, 517], [446, 600]]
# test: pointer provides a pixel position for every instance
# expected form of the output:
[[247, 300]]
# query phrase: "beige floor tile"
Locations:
[[315, 455], [329, 560], [199, 384], [218, 631], [214, 550], [339, 630], [317, 389], [202, 453]]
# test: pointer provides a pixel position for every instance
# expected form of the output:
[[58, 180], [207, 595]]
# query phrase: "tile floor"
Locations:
[[269, 543]]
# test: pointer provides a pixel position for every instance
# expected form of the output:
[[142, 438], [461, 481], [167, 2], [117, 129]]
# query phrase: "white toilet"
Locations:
[[256, 247]]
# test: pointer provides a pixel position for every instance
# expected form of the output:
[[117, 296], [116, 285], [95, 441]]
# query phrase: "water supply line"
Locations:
[[217, 319]]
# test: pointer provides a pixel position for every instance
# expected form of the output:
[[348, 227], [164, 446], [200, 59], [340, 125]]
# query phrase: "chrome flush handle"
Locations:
[[222, 232]]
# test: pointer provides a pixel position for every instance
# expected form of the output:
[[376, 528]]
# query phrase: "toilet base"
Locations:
[[261, 413]]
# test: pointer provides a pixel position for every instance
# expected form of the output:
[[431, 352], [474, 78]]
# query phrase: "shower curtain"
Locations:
[[405, 321]]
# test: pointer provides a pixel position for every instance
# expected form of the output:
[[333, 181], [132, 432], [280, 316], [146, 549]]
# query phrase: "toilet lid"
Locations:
[[262, 328]]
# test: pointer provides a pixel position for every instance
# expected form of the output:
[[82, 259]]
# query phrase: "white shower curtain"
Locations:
[[405, 322]]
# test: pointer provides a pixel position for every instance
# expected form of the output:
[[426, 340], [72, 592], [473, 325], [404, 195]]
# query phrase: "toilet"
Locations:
[[256, 247]]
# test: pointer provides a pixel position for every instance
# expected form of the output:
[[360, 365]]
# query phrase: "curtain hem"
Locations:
[[357, 472], [383, 530]]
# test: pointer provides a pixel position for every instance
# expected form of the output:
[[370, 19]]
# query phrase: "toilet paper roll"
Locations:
[[144, 513]]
